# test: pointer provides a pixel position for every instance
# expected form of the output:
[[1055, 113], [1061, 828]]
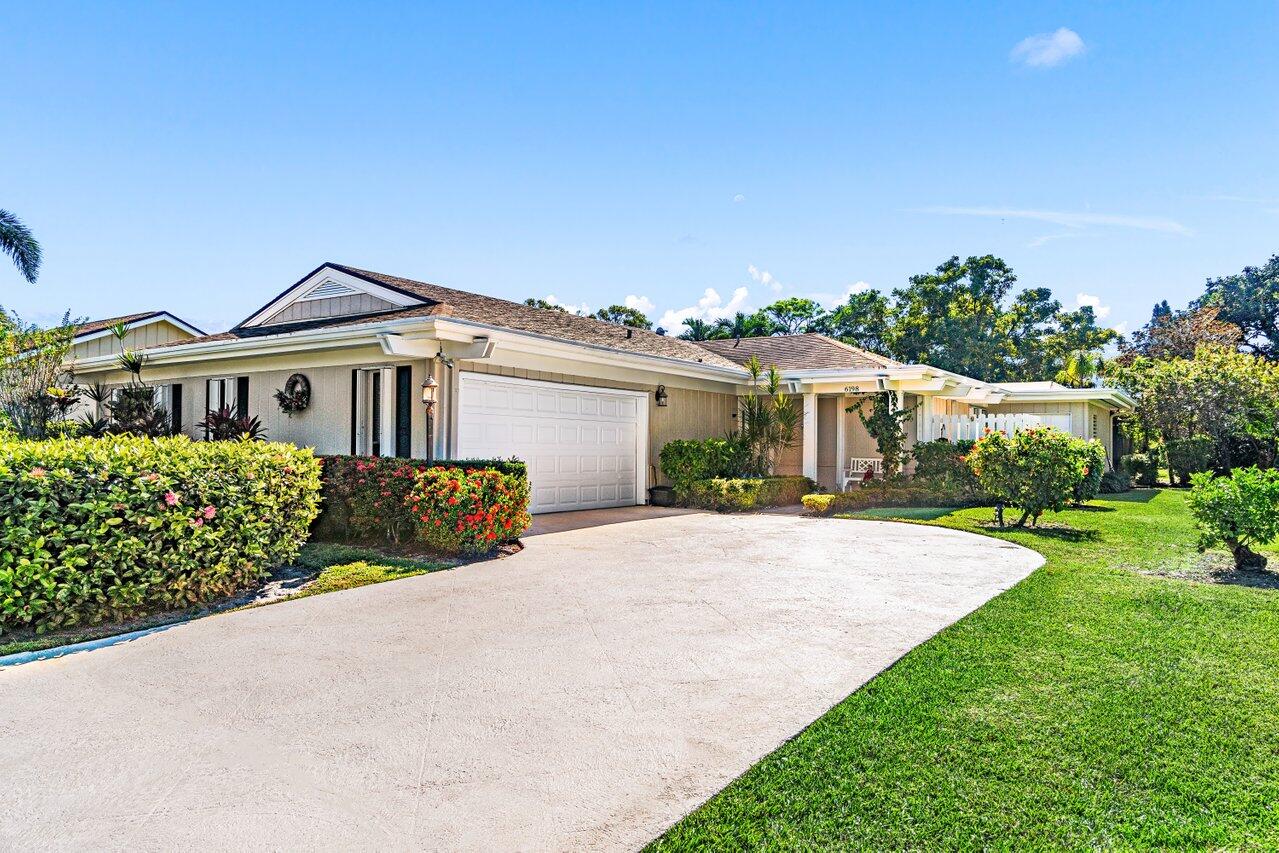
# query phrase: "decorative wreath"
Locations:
[[296, 394]]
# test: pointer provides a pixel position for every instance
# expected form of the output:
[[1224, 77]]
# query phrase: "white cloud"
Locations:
[[1093, 302], [830, 301], [640, 303], [1067, 219], [765, 278], [1121, 328], [710, 307], [1046, 50], [580, 308], [739, 198]]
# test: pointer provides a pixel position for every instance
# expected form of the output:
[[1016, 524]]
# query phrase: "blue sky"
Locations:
[[201, 159]]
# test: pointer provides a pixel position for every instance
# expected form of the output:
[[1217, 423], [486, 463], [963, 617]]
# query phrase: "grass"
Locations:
[[324, 567], [1090, 706]]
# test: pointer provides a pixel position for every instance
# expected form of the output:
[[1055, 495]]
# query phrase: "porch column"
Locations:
[[810, 436], [841, 447]]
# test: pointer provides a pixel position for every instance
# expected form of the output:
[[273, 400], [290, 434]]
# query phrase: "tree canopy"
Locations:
[[1249, 300]]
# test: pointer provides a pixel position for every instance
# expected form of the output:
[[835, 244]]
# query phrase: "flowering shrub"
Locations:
[[365, 497], [1092, 454], [1036, 470], [96, 529], [469, 511]]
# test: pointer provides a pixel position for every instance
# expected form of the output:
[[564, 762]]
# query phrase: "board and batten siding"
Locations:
[[336, 306], [689, 413], [150, 335]]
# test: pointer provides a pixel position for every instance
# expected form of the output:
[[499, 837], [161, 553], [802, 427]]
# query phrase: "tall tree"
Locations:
[[795, 315], [950, 318], [17, 241], [621, 315], [863, 321], [1178, 335], [1250, 300]]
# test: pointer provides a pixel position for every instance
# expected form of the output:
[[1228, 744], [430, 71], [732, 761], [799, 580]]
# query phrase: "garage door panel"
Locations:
[[581, 445]]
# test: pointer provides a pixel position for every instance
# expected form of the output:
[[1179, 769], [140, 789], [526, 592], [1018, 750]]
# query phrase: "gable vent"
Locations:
[[328, 290]]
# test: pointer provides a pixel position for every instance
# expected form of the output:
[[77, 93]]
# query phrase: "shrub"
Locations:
[[1115, 481], [225, 425], [1142, 468], [683, 461], [365, 497], [1238, 511], [1188, 456], [890, 493], [1036, 470], [469, 511], [941, 465], [741, 494], [96, 529], [1092, 455]]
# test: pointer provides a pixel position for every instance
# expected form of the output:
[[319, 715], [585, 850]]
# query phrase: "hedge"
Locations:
[[469, 511], [684, 461], [1141, 468], [745, 493], [365, 497], [889, 493], [98, 529], [1188, 456]]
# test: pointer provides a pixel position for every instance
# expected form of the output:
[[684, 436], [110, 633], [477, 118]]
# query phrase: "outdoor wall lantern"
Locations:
[[429, 389], [660, 396]]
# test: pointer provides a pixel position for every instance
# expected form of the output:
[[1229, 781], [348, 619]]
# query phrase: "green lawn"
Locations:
[[1090, 706]]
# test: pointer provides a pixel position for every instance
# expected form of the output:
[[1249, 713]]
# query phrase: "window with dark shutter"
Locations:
[[404, 411], [175, 413], [242, 396]]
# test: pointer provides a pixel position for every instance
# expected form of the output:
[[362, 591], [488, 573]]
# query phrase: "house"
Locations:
[[587, 404]]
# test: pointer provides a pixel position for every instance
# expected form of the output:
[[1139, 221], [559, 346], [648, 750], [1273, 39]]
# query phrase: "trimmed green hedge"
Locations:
[[98, 529], [746, 493], [366, 497], [684, 461], [889, 493]]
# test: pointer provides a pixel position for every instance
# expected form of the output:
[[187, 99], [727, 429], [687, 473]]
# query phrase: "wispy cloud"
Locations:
[[710, 307], [739, 198], [580, 308], [765, 278], [1044, 239], [1067, 219], [1046, 50]]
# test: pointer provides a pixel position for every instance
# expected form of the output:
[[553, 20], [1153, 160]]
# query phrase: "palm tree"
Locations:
[[697, 330], [1081, 369], [17, 242]]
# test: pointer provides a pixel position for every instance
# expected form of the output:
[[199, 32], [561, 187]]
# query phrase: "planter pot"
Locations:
[[661, 496]]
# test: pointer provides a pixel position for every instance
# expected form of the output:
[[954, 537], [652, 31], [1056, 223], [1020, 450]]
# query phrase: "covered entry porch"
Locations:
[[834, 447]]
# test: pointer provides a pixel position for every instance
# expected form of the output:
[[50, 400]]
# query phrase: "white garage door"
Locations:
[[584, 447]]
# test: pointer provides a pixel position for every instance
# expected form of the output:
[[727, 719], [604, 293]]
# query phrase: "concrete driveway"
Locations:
[[583, 694]]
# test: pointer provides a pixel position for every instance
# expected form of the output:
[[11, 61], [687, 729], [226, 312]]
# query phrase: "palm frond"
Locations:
[[17, 241]]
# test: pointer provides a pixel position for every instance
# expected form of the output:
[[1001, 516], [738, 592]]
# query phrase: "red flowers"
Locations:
[[469, 511]]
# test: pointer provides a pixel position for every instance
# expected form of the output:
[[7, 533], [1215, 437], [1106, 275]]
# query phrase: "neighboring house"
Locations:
[[144, 329], [587, 404]]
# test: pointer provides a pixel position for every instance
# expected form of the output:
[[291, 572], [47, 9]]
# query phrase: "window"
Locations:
[[373, 418]]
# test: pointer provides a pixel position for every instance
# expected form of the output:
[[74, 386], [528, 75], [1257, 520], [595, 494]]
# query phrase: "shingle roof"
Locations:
[[98, 325], [491, 311], [798, 352]]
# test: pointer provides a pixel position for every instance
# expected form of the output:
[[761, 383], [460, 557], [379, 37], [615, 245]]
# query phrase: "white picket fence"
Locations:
[[973, 427]]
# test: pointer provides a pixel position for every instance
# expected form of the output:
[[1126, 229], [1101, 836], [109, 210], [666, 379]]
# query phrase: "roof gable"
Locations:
[[330, 291]]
